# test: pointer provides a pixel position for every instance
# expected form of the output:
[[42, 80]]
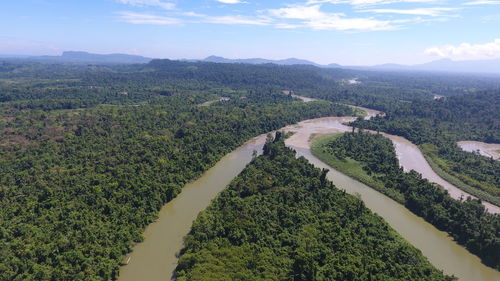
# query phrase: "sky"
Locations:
[[348, 32]]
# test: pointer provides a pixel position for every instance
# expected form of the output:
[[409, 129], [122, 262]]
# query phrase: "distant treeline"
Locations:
[[25, 82]]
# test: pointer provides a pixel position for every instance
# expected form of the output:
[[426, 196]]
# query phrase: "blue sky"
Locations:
[[350, 32]]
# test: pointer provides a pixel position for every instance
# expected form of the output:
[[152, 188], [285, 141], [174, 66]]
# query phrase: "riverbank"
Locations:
[[156, 258], [350, 167], [436, 245], [373, 160], [435, 162], [318, 231], [409, 155]]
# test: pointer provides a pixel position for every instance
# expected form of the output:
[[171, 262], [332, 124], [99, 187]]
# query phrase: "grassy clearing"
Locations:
[[350, 167], [359, 112]]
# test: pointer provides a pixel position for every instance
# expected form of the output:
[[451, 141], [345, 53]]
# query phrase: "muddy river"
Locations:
[[491, 150], [156, 257]]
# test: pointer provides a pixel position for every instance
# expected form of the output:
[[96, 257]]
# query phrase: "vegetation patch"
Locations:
[[280, 219], [467, 221], [77, 196], [437, 125], [350, 167], [477, 191]]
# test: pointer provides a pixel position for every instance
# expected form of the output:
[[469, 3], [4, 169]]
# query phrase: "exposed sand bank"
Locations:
[[491, 150]]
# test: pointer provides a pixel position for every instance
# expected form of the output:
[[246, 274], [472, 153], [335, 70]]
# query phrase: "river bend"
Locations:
[[156, 257]]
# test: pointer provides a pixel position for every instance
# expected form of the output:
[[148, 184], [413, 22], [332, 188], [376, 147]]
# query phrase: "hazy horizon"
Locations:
[[348, 32], [207, 140]]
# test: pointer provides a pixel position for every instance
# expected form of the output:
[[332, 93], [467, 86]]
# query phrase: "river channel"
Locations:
[[490, 150], [156, 257]]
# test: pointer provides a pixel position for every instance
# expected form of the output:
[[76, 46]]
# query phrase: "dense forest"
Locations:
[[90, 85], [77, 187], [89, 153], [281, 219], [437, 125], [466, 221]]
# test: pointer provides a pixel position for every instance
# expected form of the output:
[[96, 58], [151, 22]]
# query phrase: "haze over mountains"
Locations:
[[446, 65], [443, 65], [289, 61], [85, 57]]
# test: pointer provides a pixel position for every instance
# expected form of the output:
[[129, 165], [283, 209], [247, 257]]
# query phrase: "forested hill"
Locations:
[[77, 86], [247, 75], [333, 82], [281, 219]]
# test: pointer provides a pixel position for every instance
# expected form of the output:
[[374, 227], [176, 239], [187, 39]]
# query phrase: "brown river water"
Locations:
[[491, 150], [409, 155], [156, 257]]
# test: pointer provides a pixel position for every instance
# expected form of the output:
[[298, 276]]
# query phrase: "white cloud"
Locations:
[[152, 3], [308, 15], [344, 24], [139, 18], [286, 26], [229, 19], [237, 20], [230, 1], [193, 14], [313, 17], [298, 12], [467, 51], [368, 2], [432, 12], [483, 2]]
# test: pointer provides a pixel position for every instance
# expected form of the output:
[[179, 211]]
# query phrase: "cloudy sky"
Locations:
[[350, 32]]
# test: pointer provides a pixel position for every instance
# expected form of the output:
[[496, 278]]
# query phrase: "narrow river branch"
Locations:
[[156, 257]]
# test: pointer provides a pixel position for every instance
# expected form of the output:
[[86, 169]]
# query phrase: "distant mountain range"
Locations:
[[290, 61], [443, 65], [111, 58], [86, 58]]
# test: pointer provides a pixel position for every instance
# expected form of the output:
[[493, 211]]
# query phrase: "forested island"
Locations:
[[90, 153], [281, 219], [437, 125], [371, 158]]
